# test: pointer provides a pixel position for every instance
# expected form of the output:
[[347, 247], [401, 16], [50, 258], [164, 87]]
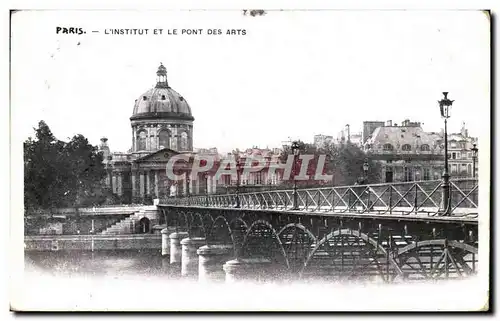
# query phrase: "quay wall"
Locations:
[[89, 242]]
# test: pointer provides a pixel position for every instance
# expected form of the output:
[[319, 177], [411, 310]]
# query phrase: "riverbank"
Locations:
[[92, 242]]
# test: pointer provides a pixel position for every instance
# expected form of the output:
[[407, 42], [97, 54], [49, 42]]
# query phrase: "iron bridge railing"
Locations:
[[417, 198]]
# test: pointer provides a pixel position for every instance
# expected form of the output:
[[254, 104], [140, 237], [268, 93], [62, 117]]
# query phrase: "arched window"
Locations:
[[164, 139], [425, 148], [184, 141], [141, 140], [406, 147], [388, 147]]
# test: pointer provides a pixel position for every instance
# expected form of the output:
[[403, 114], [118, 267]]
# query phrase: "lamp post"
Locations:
[[365, 171], [238, 167], [296, 151], [474, 159], [444, 107]]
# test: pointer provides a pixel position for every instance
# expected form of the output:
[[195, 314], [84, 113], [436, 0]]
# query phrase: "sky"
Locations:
[[293, 74]]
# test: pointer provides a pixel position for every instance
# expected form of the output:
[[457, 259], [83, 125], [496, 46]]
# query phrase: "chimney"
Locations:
[[388, 123]]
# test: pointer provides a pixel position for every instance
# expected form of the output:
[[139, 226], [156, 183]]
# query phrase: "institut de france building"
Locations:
[[162, 126]]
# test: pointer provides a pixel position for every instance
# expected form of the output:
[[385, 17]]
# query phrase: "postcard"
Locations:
[[250, 160]]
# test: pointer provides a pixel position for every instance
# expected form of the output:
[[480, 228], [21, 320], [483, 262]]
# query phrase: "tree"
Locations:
[[61, 174], [344, 162]]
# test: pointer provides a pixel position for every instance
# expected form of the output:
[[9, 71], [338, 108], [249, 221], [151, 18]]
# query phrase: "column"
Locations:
[[110, 177], [119, 186], [210, 260], [133, 182], [157, 181], [141, 185], [189, 256], [247, 269], [165, 244], [184, 185], [113, 183], [133, 139], [175, 246], [148, 182]]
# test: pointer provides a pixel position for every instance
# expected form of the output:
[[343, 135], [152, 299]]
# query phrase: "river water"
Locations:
[[102, 263], [139, 280]]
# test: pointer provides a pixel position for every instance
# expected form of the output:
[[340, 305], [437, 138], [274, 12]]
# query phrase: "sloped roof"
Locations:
[[399, 136]]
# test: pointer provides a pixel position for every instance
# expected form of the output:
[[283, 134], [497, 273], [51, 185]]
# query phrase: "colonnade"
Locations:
[[153, 183]]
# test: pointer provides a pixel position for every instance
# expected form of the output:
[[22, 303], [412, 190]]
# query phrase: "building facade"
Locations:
[[161, 126], [406, 152], [461, 155]]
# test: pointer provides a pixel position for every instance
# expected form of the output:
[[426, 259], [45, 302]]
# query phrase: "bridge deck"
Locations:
[[396, 215]]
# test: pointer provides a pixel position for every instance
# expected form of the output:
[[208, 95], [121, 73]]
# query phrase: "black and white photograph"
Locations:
[[250, 160]]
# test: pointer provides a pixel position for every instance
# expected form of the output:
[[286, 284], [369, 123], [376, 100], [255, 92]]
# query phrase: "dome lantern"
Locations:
[[161, 79]]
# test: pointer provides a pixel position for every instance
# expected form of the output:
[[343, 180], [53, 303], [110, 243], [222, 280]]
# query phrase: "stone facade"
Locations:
[[407, 153], [162, 126]]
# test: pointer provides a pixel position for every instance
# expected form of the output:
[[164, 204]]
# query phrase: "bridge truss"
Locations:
[[387, 232]]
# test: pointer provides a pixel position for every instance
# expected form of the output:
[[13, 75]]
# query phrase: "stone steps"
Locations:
[[125, 226]]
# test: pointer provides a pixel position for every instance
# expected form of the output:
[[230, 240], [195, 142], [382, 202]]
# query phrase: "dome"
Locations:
[[161, 102]]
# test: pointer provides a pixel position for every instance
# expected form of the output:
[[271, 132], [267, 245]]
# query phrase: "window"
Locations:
[[425, 148], [388, 147], [408, 174], [144, 98], [141, 140], [406, 147], [449, 156], [469, 169], [469, 155], [184, 141], [164, 139], [453, 155], [427, 174], [163, 97], [258, 178], [454, 168], [458, 155], [389, 161]]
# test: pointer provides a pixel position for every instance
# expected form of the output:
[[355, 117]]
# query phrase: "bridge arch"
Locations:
[[197, 226], [355, 252], [262, 240], [431, 259], [182, 221], [220, 232], [298, 242]]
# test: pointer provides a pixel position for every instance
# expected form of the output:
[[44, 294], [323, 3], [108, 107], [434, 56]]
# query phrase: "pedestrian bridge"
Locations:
[[387, 231]]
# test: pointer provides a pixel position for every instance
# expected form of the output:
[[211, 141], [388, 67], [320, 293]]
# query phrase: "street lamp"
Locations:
[[296, 151], [444, 107], [238, 167], [365, 171], [474, 159]]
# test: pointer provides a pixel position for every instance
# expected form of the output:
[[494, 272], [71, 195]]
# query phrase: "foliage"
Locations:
[[343, 161], [61, 174]]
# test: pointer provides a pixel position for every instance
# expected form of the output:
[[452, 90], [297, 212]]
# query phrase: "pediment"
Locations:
[[161, 156]]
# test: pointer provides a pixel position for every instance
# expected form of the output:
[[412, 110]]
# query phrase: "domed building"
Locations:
[[162, 126], [161, 119]]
